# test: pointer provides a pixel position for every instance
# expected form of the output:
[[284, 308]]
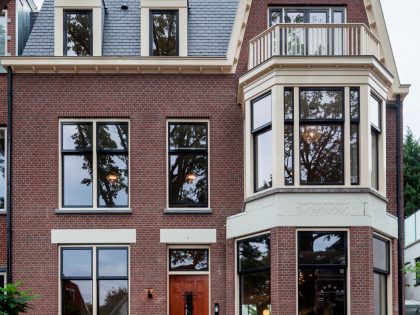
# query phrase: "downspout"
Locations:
[[9, 174], [400, 211]]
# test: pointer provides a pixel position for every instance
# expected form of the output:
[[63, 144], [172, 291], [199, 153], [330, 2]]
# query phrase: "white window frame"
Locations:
[[174, 5], [169, 209], [95, 296], [191, 273], [95, 207], [4, 210], [348, 270], [6, 32], [97, 23]]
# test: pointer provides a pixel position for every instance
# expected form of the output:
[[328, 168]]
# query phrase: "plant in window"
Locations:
[[14, 301]]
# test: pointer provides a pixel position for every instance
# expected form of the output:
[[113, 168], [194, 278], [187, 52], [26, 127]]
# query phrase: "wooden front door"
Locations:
[[189, 295]]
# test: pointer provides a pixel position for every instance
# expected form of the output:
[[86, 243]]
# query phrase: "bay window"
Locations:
[[375, 113], [322, 272], [288, 136], [188, 164], [254, 275], [261, 131], [354, 135], [94, 158], [381, 270]]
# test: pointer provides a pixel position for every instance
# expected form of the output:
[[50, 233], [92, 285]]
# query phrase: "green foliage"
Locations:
[[411, 173], [414, 270], [14, 301]]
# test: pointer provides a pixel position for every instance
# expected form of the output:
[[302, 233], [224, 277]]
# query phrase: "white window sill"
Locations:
[[2, 211], [94, 211], [188, 210]]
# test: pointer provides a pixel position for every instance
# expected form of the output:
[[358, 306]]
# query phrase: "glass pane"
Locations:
[[3, 27], [338, 17], [275, 17], [185, 136], [354, 104], [255, 293], [261, 112], [77, 297], [77, 136], [254, 253], [113, 180], [288, 104], [379, 293], [79, 34], [263, 147], [375, 161], [188, 259], [375, 112], [321, 104], [112, 262], [354, 154], [2, 169], [288, 154], [321, 154], [380, 254], [77, 180], [322, 248], [318, 37], [294, 17], [322, 291], [188, 180], [113, 297], [164, 34], [318, 17], [77, 263], [113, 136]]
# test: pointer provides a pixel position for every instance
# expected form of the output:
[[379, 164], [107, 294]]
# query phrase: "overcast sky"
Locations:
[[401, 18]]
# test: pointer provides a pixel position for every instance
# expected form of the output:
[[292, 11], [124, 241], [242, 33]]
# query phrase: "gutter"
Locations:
[[400, 210], [9, 174]]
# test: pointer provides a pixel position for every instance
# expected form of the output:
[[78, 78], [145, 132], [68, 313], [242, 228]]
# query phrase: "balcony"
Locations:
[[349, 39]]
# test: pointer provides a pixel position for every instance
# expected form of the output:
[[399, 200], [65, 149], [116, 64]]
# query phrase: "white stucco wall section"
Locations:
[[98, 236], [188, 236], [313, 210]]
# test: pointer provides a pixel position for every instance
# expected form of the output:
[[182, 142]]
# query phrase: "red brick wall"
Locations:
[[2, 241], [11, 29], [147, 100], [257, 21]]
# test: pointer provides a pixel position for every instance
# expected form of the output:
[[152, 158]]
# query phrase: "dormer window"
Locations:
[[78, 33], [164, 33]]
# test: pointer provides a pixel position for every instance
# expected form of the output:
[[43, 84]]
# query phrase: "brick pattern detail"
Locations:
[[11, 27]]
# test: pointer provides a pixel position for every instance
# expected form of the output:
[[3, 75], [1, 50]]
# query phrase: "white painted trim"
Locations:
[[97, 23], [94, 236], [188, 236], [94, 208], [164, 4], [192, 209]]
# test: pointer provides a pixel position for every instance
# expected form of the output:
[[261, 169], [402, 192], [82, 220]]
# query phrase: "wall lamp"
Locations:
[[149, 292], [124, 6]]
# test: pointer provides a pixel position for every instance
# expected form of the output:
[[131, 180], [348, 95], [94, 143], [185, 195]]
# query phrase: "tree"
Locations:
[[14, 301], [411, 173]]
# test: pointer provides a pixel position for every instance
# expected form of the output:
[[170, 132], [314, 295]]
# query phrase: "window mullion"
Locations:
[[95, 300], [296, 151], [94, 168], [347, 169]]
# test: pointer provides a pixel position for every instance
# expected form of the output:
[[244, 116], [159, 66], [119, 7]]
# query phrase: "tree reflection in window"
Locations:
[[2, 168], [188, 259], [78, 33], [188, 165], [164, 33], [321, 136], [79, 160]]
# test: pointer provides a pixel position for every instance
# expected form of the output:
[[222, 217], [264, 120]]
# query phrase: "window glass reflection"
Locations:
[[294, 17], [77, 136], [188, 259], [379, 293], [77, 297], [354, 153], [380, 254], [321, 154], [113, 136], [375, 111], [275, 16], [261, 112], [113, 297], [78, 33], [2, 169], [321, 104], [164, 33], [375, 160], [254, 253], [112, 262], [3, 28], [255, 293], [322, 291], [77, 180], [264, 160], [288, 104], [76, 263], [288, 154], [322, 248], [354, 104], [187, 136]]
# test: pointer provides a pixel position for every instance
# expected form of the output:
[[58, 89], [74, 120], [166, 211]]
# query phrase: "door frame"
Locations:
[[187, 273]]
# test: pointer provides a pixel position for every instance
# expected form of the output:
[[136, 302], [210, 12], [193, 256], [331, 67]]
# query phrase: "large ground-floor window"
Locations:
[[83, 290], [322, 270], [381, 269], [254, 275]]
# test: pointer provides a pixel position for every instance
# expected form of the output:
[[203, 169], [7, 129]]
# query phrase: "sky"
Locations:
[[405, 38]]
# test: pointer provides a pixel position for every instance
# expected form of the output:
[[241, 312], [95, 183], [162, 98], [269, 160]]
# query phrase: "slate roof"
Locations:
[[210, 25]]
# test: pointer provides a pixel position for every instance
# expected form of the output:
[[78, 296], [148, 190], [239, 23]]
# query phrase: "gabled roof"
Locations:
[[210, 24]]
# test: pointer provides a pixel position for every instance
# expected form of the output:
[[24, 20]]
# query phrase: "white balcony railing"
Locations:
[[313, 40]]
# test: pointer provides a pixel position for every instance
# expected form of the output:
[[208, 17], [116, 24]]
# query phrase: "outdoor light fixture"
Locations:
[[191, 177], [149, 293], [124, 6], [112, 177], [311, 134], [216, 309], [266, 312]]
